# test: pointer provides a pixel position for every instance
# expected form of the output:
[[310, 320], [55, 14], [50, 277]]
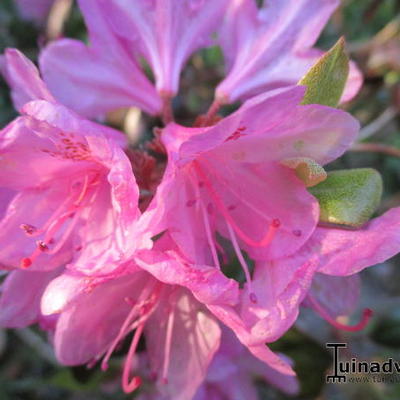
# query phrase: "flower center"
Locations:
[[231, 224], [63, 220]]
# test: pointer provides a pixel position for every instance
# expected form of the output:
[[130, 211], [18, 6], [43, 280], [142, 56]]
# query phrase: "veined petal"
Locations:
[[86, 328], [338, 295], [23, 78], [99, 84], [194, 339], [107, 75], [346, 252], [159, 30], [272, 47], [20, 297]]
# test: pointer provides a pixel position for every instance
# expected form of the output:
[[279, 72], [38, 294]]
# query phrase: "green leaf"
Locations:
[[327, 78], [307, 170], [348, 197]]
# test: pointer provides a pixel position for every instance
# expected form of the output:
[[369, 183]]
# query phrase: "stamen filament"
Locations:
[[168, 341], [252, 295], [265, 241], [130, 385], [367, 314], [210, 239]]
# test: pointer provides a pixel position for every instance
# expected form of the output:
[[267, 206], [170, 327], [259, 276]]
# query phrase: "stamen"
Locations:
[[367, 314], [29, 229], [122, 332], [222, 252], [168, 341], [42, 246], [66, 234], [83, 191], [270, 234], [252, 295], [148, 297], [26, 262], [130, 385], [210, 239]]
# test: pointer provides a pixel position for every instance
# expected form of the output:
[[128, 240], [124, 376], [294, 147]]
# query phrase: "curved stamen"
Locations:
[[252, 295], [130, 385], [144, 307], [367, 314], [122, 332], [268, 237], [69, 208], [210, 239], [168, 341]]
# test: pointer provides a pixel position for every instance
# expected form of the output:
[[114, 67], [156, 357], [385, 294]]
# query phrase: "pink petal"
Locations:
[[338, 295], [89, 325], [194, 341], [291, 130], [99, 85], [207, 284], [20, 297], [281, 30], [232, 319], [56, 118], [257, 197], [99, 78], [354, 83], [159, 30], [23, 78], [279, 288], [345, 252], [31, 207]]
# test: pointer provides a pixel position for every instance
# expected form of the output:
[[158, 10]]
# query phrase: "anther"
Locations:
[[253, 298], [29, 229], [26, 262], [276, 223], [42, 246]]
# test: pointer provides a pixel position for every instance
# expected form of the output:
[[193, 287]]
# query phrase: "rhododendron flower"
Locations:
[[231, 375], [343, 253], [108, 74], [234, 370], [75, 194], [96, 314], [272, 47], [35, 10], [334, 296], [100, 77], [229, 178]]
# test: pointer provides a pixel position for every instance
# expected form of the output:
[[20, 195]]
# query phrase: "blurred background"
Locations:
[[372, 30]]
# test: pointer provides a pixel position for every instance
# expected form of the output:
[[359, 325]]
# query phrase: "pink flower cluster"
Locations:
[[99, 244]]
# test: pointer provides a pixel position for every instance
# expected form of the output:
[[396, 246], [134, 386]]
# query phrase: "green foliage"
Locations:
[[349, 197], [326, 79]]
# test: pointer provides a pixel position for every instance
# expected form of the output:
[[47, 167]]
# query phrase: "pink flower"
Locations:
[[340, 254], [95, 315], [272, 47], [20, 298], [23, 78], [36, 10], [75, 197], [108, 75], [100, 77], [166, 32], [223, 298], [233, 372], [228, 178]]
